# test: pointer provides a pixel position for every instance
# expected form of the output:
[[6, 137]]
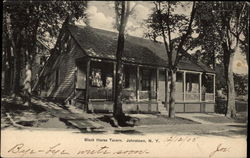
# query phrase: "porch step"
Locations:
[[164, 112], [162, 109]]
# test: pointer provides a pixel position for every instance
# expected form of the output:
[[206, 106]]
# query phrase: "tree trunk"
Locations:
[[15, 40], [172, 75], [14, 74], [117, 112], [231, 110], [17, 73], [166, 90], [228, 58], [9, 68]]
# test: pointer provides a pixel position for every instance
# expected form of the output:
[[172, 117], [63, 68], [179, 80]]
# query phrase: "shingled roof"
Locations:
[[103, 44]]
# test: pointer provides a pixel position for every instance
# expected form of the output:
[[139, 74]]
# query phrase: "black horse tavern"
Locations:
[[81, 72]]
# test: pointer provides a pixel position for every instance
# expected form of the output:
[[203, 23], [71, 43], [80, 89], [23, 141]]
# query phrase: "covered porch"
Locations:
[[144, 87], [195, 91]]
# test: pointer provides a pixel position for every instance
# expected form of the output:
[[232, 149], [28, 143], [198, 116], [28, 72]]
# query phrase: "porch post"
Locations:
[[137, 82], [184, 86], [113, 81], [157, 83], [214, 86], [200, 85], [87, 85], [166, 89]]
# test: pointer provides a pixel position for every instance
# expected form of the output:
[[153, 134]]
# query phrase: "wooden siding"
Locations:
[[193, 107], [64, 63], [179, 107], [67, 73], [209, 107]]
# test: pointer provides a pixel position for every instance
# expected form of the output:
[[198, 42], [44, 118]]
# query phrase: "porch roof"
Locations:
[[103, 44]]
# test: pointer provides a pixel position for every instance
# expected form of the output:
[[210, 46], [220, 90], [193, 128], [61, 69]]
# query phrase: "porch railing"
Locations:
[[106, 94], [178, 96], [100, 93], [192, 97], [128, 94], [145, 95], [189, 97], [209, 96]]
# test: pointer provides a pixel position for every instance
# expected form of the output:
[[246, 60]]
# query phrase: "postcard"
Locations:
[[124, 79]]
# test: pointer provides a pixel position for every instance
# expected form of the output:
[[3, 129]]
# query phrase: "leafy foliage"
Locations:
[[173, 27], [241, 84], [177, 23], [213, 20], [42, 18], [26, 21]]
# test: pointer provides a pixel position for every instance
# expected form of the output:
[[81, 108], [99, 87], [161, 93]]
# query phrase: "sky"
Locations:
[[102, 16]]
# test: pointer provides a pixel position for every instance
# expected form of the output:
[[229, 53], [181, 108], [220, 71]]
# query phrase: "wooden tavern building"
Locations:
[[81, 72]]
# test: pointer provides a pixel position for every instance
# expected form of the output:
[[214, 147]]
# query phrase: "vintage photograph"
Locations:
[[124, 78]]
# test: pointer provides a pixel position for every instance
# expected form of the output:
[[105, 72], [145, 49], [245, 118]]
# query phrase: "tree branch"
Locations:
[[133, 8], [184, 37], [169, 32], [238, 31], [163, 33], [127, 13], [117, 15]]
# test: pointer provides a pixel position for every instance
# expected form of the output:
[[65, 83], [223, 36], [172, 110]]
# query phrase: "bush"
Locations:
[[241, 84]]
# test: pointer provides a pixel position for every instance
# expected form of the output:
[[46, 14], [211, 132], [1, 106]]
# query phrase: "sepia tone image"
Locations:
[[124, 78]]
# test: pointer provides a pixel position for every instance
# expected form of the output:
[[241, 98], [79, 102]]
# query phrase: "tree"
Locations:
[[122, 11], [24, 22], [165, 23], [226, 21]]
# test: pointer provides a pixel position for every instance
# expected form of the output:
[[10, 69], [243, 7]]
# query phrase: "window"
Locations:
[[145, 80], [42, 60]]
